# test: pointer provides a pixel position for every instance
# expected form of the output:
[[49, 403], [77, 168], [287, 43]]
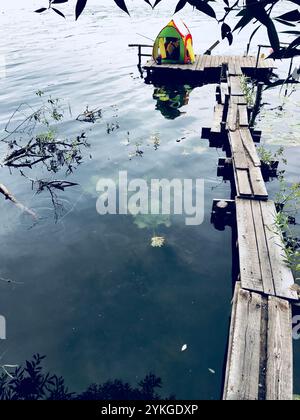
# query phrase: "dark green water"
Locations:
[[95, 297]]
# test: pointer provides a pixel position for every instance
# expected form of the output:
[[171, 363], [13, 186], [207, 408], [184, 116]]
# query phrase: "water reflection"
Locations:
[[171, 98], [33, 382]]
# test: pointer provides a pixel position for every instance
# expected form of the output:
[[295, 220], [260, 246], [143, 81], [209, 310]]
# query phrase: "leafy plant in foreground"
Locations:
[[32, 382]]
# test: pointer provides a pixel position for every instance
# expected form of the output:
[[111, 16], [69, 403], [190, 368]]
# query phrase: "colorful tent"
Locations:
[[174, 44]]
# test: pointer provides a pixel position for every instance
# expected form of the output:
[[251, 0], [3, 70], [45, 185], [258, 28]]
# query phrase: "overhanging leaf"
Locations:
[[203, 7], [156, 3], [43, 9], [58, 12], [284, 22], [122, 5], [80, 6], [180, 5], [292, 16]]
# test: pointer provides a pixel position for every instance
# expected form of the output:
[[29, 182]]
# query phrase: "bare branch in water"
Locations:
[[32, 141], [8, 196], [51, 187], [90, 115]]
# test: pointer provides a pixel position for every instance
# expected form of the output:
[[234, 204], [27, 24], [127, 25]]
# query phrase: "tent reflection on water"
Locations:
[[171, 99]]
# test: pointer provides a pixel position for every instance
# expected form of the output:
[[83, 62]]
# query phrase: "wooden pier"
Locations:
[[260, 348], [208, 67], [260, 351]]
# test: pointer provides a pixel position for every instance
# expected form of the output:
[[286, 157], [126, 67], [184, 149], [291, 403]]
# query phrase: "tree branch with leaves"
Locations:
[[260, 12]]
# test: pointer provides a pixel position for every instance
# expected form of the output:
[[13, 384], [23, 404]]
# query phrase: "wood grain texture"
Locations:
[[279, 377]]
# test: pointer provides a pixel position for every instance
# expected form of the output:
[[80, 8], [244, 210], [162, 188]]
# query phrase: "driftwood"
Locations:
[[8, 196], [90, 115]]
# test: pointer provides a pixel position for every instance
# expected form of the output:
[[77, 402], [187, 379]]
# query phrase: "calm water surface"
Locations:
[[94, 296]]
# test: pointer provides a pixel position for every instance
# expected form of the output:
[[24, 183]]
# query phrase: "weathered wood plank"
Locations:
[[239, 100], [250, 146], [238, 151], [263, 252], [244, 363], [218, 113], [258, 183], [231, 335], [251, 277], [231, 67], [238, 68], [232, 120], [235, 86], [282, 274], [244, 188], [279, 378], [243, 116]]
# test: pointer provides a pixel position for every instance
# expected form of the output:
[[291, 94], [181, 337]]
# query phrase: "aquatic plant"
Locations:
[[288, 205], [151, 221], [157, 241], [90, 115], [247, 90], [33, 140]]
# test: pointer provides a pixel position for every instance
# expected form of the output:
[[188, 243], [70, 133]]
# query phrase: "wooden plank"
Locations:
[[224, 91], [238, 68], [249, 145], [197, 60], [237, 149], [231, 67], [282, 274], [248, 252], [232, 120], [149, 63], [243, 183], [244, 364], [201, 62], [243, 116], [258, 183], [279, 378], [263, 252], [239, 100], [218, 113], [235, 86], [208, 61], [231, 335]]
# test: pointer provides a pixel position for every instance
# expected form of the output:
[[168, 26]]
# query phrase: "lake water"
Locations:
[[89, 291]]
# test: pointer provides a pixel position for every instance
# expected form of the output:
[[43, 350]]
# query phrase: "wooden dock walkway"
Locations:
[[260, 351], [260, 363], [208, 65]]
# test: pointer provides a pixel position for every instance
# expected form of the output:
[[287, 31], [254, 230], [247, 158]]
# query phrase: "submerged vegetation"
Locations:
[[33, 140]]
